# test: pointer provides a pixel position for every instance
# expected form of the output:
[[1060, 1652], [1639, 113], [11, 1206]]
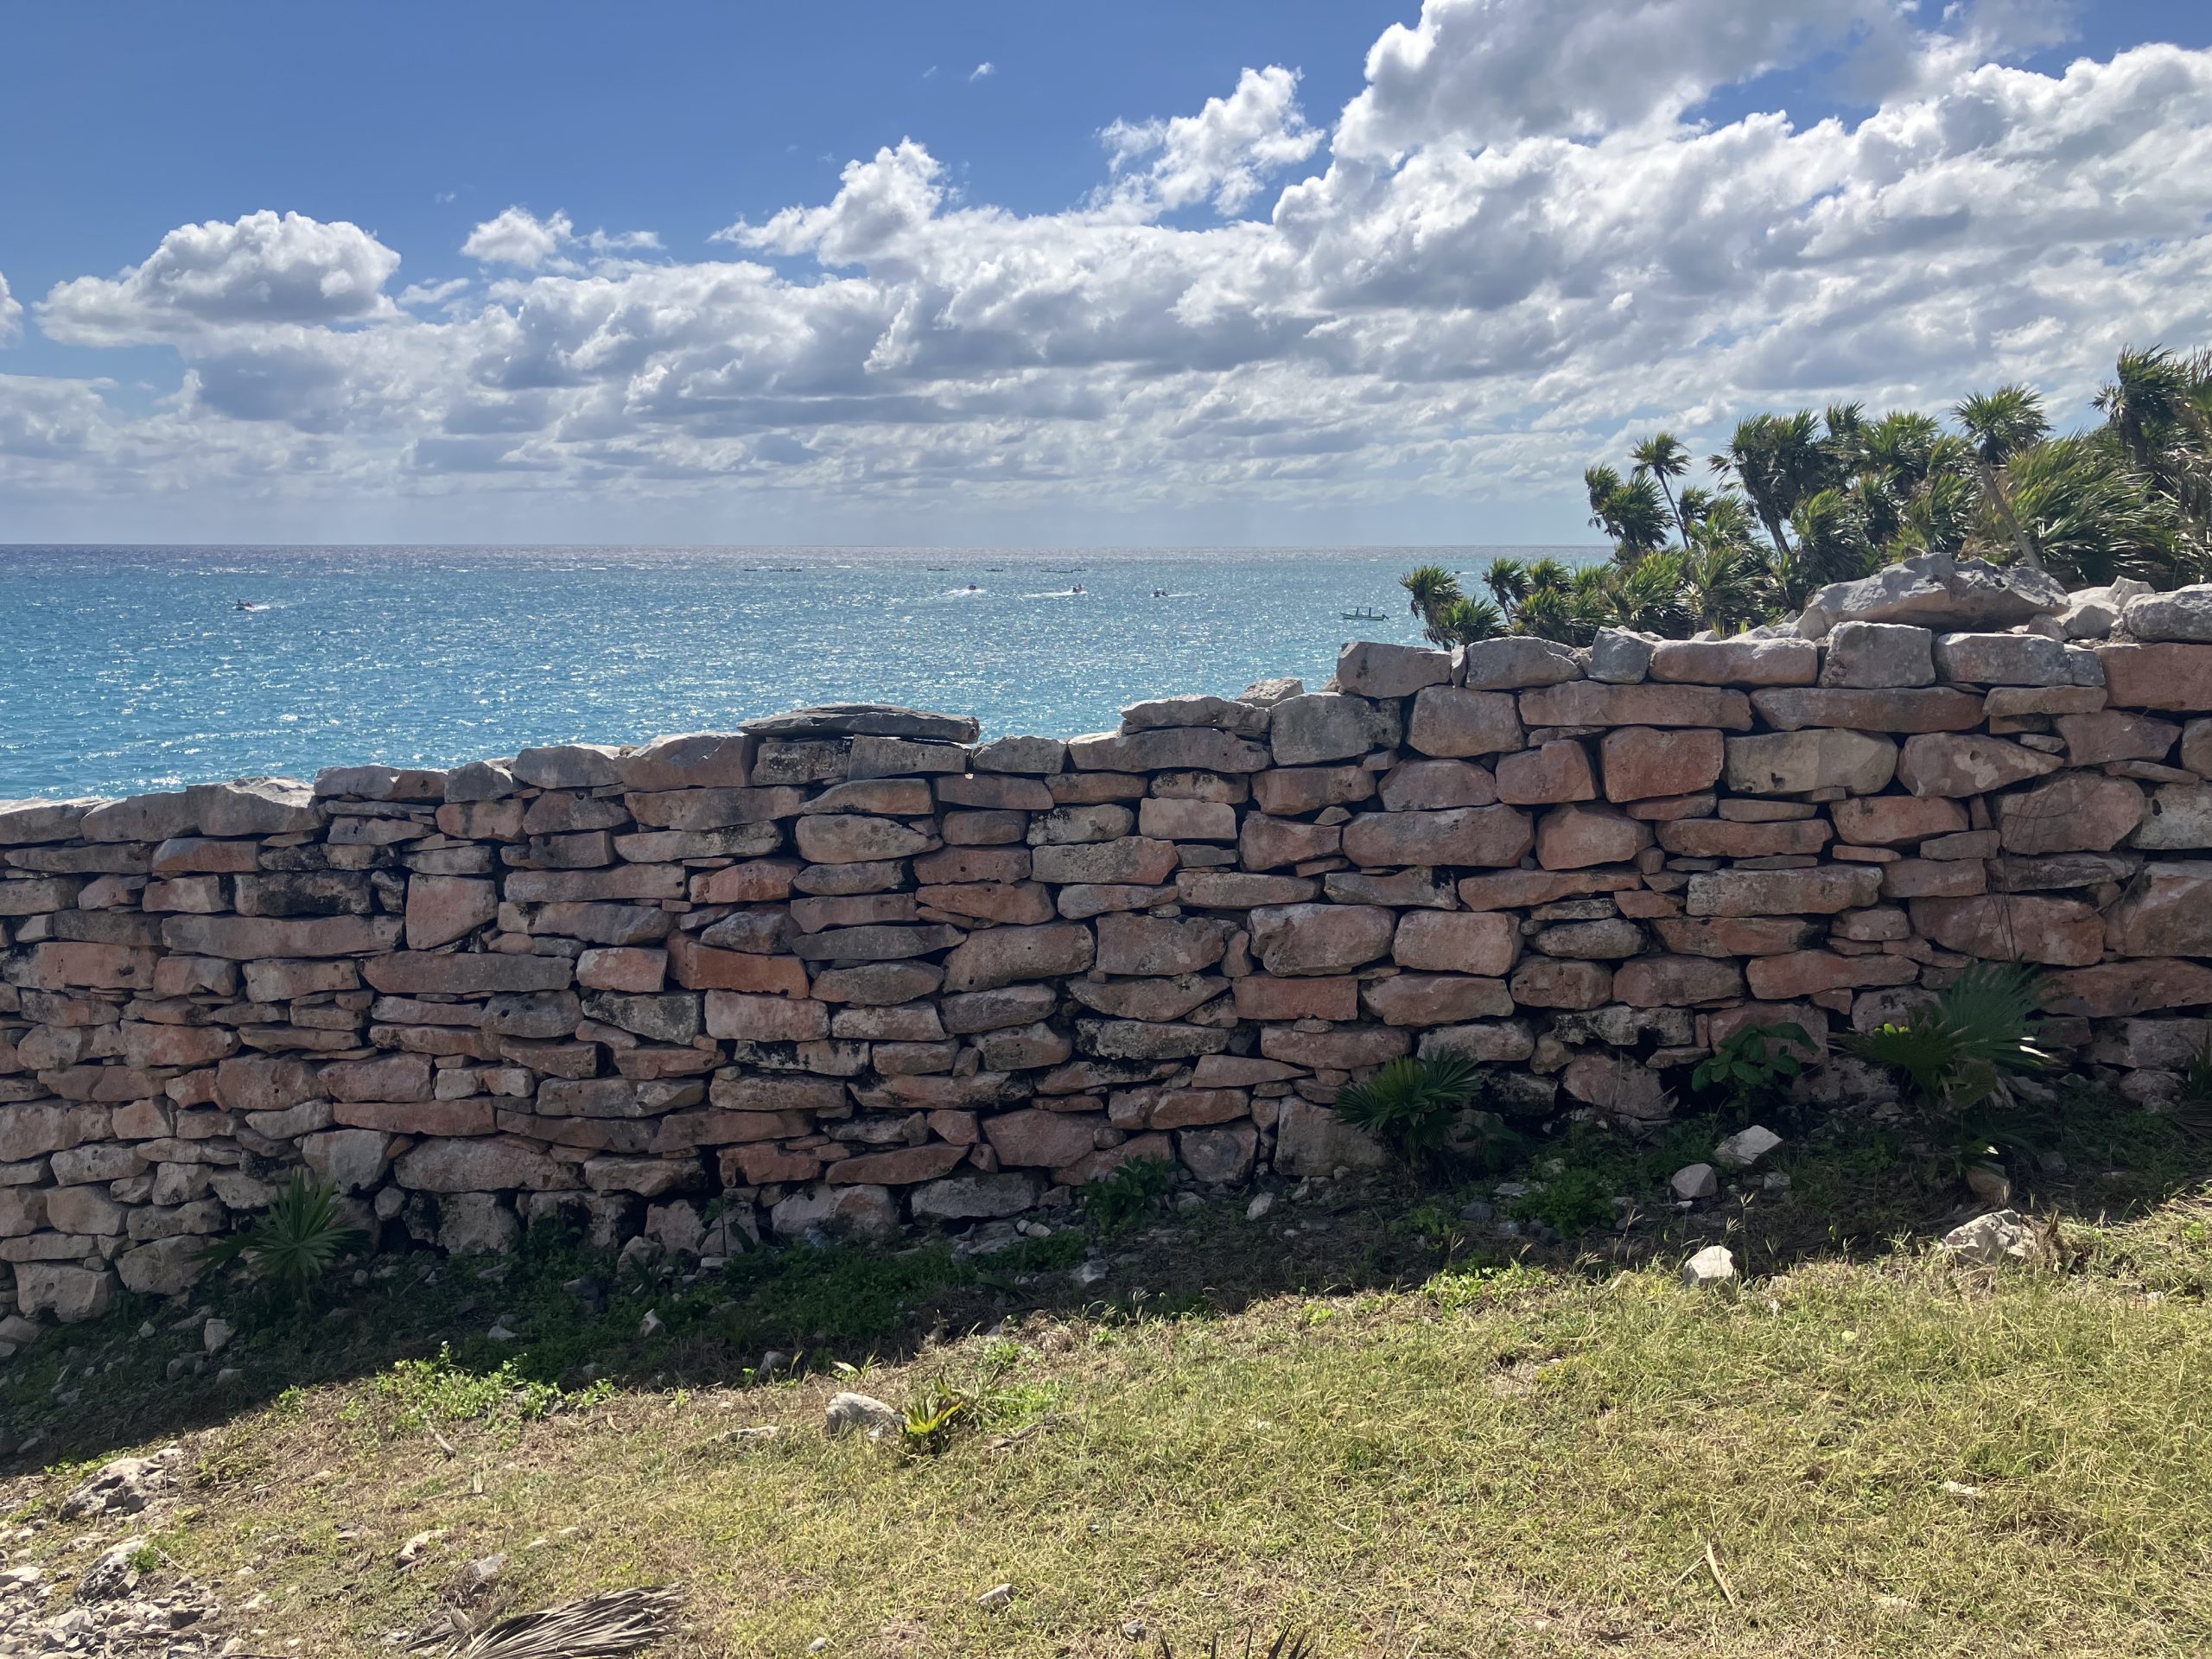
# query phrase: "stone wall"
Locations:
[[851, 968]]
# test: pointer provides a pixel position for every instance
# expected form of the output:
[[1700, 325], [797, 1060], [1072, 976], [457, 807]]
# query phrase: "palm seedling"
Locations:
[[1411, 1106], [295, 1240], [1963, 1050]]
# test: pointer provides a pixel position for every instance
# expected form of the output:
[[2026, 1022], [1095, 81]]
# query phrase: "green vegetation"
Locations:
[[295, 1241], [1753, 1067], [1803, 499], [1412, 1107], [1883, 1457], [1962, 1052], [1126, 1193]]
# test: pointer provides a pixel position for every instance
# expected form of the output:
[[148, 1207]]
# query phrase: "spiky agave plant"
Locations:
[[295, 1240]]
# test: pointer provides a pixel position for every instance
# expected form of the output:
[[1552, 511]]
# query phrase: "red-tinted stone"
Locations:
[[2007, 927], [1576, 837], [1644, 763], [1483, 942], [1550, 773]]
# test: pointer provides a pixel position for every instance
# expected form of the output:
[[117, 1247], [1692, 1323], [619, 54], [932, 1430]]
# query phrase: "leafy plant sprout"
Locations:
[[295, 1240]]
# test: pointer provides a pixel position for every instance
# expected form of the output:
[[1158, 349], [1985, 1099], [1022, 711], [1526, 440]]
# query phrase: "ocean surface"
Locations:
[[123, 669]]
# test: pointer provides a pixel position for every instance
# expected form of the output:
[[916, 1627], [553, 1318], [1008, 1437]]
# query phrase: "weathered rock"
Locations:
[[2165, 676], [1952, 765], [1035, 756], [1642, 763], [1724, 935], [2062, 932], [1511, 662], [1313, 1141], [2184, 614], [443, 908], [1472, 836], [1297, 940], [859, 1413], [1897, 820], [971, 1198], [1879, 656], [1551, 773], [2004, 659], [1551, 983], [1726, 838], [1307, 730], [1746, 1147], [1588, 703], [1711, 1268], [1480, 943], [1620, 656], [1693, 1182], [1366, 668], [2180, 818], [1575, 837], [2092, 613], [1156, 945], [1001, 956], [1798, 762], [1821, 891], [1454, 723], [1218, 714], [2118, 987], [1168, 748], [864, 720], [1436, 999], [1677, 981], [1737, 662], [2166, 911], [1137, 860], [862, 1212], [2099, 738], [2004, 1235], [2077, 812], [1939, 708], [1937, 591], [1292, 790]]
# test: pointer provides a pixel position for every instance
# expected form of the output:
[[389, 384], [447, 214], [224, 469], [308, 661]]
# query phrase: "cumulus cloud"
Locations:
[[262, 270], [11, 314], [519, 236], [1223, 154], [981, 70], [1510, 252]]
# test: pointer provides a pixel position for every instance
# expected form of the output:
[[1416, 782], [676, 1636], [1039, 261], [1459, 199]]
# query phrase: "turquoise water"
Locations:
[[130, 669]]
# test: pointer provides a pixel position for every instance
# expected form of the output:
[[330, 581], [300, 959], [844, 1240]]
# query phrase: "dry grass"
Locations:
[[1884, 1457]]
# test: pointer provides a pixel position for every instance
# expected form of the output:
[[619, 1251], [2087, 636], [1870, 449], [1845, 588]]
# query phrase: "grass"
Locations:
[[1340, 1420]]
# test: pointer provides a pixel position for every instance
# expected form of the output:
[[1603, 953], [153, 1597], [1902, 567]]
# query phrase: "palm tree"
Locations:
[[1777, 460], [1465, 620], [1665, 457], [1648, 596], [2093, 517], [1430, 589], [1507, 578], [1601, 484], [1724, 585], [2001, 424], [1831, 539], [1549, 574]]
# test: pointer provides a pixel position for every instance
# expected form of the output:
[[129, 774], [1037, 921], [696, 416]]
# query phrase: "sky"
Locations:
[[1311, 272]]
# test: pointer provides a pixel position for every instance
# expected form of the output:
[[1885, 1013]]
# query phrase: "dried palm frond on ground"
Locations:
[[1287, 1646], [603, 1626]]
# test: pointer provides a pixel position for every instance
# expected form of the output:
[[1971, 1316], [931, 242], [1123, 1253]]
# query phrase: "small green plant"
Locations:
[[1116, 1199], [427, 1391], [937, 1411], [1412, 1107], [1755, 1066], [295, 1241], [1961, 1052], [1573, 1201]]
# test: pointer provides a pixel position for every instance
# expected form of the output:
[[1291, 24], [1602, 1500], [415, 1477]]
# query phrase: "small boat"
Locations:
[[1364, 613], [248, 605]]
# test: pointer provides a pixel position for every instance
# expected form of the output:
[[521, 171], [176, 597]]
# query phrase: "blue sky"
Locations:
[[1316, 309]]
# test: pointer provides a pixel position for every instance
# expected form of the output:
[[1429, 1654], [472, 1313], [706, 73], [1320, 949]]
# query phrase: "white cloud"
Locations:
[[1511, 258], [1223, 153], [518, 237], [11, 314], [260, 271], [981, 70]]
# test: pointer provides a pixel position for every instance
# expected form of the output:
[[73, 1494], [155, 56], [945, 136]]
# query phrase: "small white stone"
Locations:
[[651, 1324], [1694, 1181], [1713, 1265], [999, 1595], [1746, 1147], [2001, 1236], [849, 1412], [1258, 1209], [215, 1335]]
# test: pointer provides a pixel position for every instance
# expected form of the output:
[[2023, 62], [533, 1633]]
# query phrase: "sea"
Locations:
[[129, 669]]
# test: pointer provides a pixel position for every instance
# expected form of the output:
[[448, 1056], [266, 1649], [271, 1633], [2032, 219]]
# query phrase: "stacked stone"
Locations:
[[851, 966]]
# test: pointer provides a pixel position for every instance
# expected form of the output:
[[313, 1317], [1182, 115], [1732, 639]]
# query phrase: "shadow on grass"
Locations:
[[575, 1320]]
